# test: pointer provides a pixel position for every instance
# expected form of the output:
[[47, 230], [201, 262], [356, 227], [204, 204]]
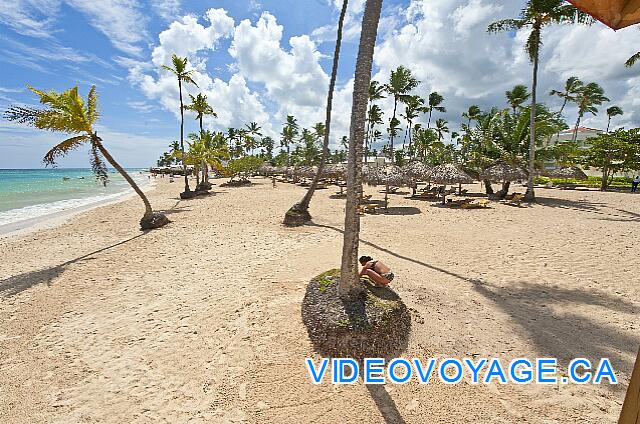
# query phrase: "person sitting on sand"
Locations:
[[376, 270]]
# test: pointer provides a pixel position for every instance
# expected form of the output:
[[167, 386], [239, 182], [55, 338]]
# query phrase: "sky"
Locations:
[[261, 60]]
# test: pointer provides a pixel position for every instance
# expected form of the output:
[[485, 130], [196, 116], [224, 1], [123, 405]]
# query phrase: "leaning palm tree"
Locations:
[[572, 87], [611, 112], [400, 84], [517, 97], [536, 15], [69, 113], [435, 100], [589, 97], [298, 214], [179, 69], [349, 286]]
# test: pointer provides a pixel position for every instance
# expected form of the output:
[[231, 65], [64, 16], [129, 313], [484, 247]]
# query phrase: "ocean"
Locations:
[[33, 193]]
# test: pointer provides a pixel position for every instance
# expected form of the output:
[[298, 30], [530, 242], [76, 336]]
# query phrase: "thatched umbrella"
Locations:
[[415, 171], [334, 170], [569, 172], [504, 173], [389, 175], [615, 14], [449, 174], [307, 171]]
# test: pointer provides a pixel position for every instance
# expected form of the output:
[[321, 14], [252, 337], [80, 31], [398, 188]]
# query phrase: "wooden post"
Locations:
[[631, 408]]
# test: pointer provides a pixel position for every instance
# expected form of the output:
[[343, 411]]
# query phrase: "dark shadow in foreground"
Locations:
[[18, 283]]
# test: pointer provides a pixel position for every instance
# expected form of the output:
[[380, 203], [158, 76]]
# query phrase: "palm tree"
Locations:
[[253, 130], [400, 84], [350, 286], [472, 114], [611, 112], [435, 100], [376, 92], [268, 144], [572, 86], [517, 97], [179, 69], [302, 208], [413, 106], [374, 117], [69, 113], [200, 106], [590, 96], [536, 15], [288, 135], [174, 148], [441, 128]]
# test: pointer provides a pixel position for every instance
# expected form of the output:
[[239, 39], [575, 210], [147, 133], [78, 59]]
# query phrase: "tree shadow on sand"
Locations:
[[402, 210], [18, 283], [565, 335], [596, 208]]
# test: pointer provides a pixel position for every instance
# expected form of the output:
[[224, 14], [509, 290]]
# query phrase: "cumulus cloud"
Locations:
[[234, 103], [292, 78]]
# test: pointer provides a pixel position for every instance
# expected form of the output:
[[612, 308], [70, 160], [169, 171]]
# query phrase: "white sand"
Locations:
[[200, 321]]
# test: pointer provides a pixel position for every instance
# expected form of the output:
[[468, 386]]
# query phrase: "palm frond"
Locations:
[[98, 166], [22, 114], [632, 60], [63, 148], [506, 25], [92, 105]]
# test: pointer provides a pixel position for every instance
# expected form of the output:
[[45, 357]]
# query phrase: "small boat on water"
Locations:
[[66, 178], [80, 178]]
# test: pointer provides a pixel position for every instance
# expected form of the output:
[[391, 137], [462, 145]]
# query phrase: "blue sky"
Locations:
[[274, 64]]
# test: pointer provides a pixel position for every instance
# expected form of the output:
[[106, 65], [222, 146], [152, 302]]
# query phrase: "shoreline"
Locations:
[[55, 219]]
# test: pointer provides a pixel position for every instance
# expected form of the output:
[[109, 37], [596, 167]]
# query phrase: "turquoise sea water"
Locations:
[[30, 193]]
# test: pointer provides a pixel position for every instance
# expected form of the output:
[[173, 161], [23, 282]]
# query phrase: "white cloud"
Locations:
[[166, 9], [121, 21], [233, 101], [30, 17], [293, 79]]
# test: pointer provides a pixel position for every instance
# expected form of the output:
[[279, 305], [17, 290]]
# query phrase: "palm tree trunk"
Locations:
[[349, 282], [148, 211], [184, 165], [366, 138], [608, 124], [530, 195], [575, 130], [303, 206]]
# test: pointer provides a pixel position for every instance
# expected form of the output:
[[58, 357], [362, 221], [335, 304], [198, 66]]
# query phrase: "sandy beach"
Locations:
[[200, 321]]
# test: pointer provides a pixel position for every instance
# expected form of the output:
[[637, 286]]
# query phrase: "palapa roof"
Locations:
[[615, 14], [334, 170], [388, 174], [449, 174], [503, 171], [307, 171], [569, 172], [417, 170]]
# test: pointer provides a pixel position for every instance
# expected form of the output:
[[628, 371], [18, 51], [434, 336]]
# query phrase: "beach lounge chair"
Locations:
[[514, 200], [425, 195], [367, 208], [476, 204]]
